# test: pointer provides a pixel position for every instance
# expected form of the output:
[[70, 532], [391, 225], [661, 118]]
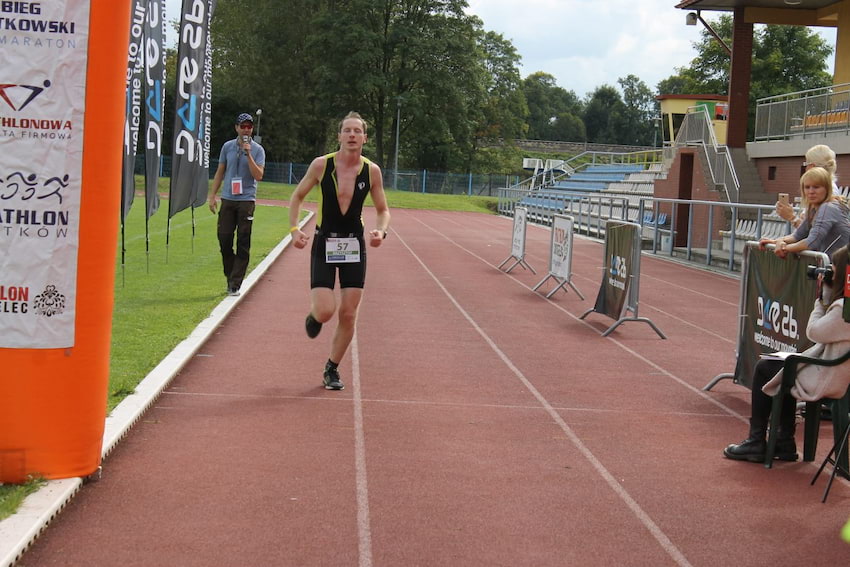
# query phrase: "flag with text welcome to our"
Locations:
[[193, 106], [133, 111]]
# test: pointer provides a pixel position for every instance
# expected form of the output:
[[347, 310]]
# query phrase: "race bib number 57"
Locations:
[[342, 250]]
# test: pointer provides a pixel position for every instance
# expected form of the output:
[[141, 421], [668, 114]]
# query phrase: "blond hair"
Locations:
[[355, 115], [819, 177], [822, 156]]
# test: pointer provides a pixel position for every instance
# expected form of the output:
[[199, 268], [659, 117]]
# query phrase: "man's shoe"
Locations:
[[331, 379], [752, 450], [312, 326], [233, 291]]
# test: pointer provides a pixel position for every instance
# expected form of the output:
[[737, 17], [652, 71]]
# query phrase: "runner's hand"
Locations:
[[299, 239]]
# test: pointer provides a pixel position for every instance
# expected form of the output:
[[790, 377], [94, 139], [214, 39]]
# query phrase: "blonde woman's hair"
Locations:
[[820, 177], [822, 156]]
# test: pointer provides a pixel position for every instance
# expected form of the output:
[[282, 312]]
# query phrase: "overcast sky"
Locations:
[[588, 43]]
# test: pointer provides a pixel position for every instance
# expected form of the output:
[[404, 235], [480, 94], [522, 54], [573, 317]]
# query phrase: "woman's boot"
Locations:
[[786, 446], [752, 448]]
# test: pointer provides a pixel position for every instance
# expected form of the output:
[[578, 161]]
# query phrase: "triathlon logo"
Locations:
[[24, 186], [17, 97], [50, 302]]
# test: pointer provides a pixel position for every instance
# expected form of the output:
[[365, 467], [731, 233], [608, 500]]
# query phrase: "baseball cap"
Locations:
[[244, 117]]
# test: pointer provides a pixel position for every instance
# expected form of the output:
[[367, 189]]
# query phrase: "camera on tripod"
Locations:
[[813, 273]]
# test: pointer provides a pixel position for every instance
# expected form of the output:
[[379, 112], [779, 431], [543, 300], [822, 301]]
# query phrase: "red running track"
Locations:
[[481, 424]]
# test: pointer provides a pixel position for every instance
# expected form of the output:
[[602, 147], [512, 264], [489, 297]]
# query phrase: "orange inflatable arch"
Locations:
[[53, 401]]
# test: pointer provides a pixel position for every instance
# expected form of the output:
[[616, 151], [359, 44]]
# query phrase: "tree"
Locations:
[[413, 51], [785, 59], [261, 60], [604, 115], [506, 108], [640, 108], [552, 110]]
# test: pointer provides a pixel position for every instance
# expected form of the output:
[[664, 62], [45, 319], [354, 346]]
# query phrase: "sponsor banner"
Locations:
[[616, 275], [193, 105], [777, 302], [42, 102], [133, 117], [561, 254], [154, 99], [518, 238]]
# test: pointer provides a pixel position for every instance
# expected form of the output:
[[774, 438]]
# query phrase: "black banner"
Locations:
[[133, 116], [154, 99], [192, 100], [619, 260], [777, 301]]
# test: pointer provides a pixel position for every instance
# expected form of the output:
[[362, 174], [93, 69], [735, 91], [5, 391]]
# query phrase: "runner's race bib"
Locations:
[[342, 250]]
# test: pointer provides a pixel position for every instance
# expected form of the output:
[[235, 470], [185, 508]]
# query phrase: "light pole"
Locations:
[[397, 122], [657, 120], [257, 137]]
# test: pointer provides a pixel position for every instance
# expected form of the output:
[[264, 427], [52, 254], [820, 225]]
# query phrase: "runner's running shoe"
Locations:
[[331, 379]]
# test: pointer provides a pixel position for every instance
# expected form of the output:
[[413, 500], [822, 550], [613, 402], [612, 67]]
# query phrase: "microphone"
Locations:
[[245, 140]]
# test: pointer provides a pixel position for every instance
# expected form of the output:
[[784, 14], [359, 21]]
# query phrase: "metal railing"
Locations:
[[547, 177], [697, 130], [714, 232], [417, 181], [803, 114]]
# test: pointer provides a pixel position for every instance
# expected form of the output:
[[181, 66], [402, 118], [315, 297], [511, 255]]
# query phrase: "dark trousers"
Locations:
[[235, 217], [762, 403]]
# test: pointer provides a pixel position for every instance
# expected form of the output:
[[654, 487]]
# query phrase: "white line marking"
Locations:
[[663, 371], [395, 401], [364, 530], [642, 516]]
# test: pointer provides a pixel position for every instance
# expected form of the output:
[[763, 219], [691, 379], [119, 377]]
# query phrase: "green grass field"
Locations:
[[163, 292]]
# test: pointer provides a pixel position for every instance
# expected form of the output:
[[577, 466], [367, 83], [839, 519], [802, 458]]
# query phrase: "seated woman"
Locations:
[[817, 156], [831, 335], [825, 226]]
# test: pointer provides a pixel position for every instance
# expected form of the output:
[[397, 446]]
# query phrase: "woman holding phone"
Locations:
[[817, 156], [825, 226]]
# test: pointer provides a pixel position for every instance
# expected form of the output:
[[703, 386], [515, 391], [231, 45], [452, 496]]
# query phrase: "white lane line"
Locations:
[[660, 369], [364, 529], [665, 543], [424, 403]]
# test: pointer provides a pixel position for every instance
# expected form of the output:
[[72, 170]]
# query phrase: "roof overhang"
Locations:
[[822, 13]]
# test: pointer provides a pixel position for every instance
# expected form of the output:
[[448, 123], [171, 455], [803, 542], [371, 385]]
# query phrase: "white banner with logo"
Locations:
[[518, 239], [42, 102], [561, 253]]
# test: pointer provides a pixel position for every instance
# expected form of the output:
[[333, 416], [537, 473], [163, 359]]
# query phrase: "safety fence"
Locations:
[[804, 114], [707, 232], [418, 181]]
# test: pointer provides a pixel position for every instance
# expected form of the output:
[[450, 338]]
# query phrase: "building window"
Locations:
[[771, 173]]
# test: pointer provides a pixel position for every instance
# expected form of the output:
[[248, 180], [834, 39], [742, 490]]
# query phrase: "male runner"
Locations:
[[345, 178]]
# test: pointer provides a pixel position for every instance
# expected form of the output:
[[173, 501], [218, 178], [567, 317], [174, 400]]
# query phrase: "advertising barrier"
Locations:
[[776, 301], [619, 289], [518, 242], [560, 256]]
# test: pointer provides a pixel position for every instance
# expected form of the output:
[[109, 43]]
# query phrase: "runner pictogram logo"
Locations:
[[12, 93]]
